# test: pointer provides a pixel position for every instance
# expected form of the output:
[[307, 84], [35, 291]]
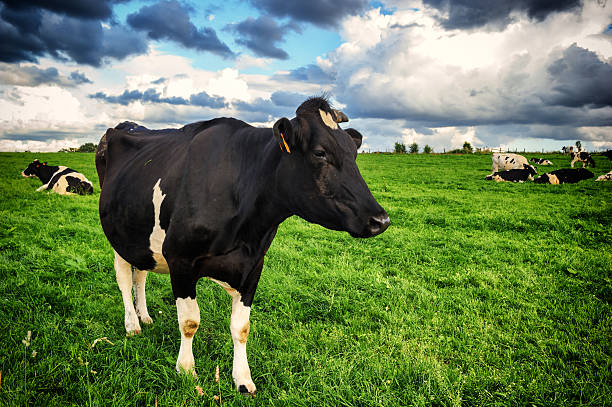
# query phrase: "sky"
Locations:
[[515, 74]]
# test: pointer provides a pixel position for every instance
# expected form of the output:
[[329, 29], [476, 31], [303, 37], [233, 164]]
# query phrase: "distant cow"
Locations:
[[515, 175], [564, 176], [507, 161], [206, 200], [605, 177], [60, 179], [583, 157], [540, 161]]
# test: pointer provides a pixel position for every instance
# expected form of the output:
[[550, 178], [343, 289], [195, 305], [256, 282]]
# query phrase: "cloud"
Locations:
[[323, 13], [310, 73], [170, 20], [29, 75], [26, 34], [91, 9], [467, 14], [262, 35], [153, 96], [79, 77], [580, 79], [289, 99]]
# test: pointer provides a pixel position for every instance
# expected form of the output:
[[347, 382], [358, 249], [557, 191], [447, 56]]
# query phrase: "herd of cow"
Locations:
[[515, 168], [206, 200]]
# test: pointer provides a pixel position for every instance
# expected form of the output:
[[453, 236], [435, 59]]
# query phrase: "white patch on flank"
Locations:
[[123, 272], [158, 235], [328, 119], [605, 177], [553, 179], [188, 314], [44, 186]]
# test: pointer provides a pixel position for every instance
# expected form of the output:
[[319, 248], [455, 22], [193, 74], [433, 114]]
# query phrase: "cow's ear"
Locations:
[[284, 134], [356, 136]]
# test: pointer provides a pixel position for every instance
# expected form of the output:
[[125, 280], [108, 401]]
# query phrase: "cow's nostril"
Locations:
[[379, 224]]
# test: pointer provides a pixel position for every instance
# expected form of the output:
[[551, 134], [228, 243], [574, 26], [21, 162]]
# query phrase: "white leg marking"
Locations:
[[139, 278], [239, 327], [123, 272], [189, 320], [158, 235]]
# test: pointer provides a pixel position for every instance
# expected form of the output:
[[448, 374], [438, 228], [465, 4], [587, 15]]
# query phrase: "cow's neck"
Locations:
[[45, 172]]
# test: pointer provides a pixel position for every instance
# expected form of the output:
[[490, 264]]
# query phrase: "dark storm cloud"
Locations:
[[262, 35], [170, 20], [579, 79], [323, 13], [310, 73], [201, 99], [26, 34], [90, 9], [466, 14]]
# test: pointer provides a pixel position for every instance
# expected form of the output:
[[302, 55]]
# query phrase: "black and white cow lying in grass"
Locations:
[[583, 157], [60, 179], [605, 177], [565, 176], [515, 175], [507, 161], [540, 161]]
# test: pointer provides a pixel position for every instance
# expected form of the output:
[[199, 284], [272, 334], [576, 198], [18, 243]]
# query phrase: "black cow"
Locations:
[[515, 175], [60, 179], [583, 157], [564, 176], [607, 154], [206, 201]]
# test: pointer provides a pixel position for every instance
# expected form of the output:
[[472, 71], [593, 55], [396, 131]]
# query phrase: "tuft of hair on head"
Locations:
[[314, 103]]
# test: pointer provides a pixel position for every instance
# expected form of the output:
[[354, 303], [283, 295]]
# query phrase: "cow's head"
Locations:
[[530, 168], [33, 169], [318, 173]]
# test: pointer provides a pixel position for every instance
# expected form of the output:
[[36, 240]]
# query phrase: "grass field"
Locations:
[[479, 293]]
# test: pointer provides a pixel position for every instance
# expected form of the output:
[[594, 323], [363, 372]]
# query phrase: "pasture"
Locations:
[[479, 293]]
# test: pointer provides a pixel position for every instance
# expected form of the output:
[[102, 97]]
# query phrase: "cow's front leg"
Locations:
[[123, 272], [239, 327], [139, 278], [189, 320]]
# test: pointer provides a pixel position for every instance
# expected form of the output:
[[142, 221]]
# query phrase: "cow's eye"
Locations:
[[319, 153]]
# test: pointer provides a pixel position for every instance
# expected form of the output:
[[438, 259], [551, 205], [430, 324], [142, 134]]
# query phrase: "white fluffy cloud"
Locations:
[[406, 66]]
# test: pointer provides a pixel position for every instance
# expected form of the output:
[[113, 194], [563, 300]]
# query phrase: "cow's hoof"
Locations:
[[189, 371], [245, 391], [146, 320], [133, 332]]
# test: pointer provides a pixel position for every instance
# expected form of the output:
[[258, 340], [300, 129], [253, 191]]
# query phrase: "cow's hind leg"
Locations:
[[123, 272], [139, 279]]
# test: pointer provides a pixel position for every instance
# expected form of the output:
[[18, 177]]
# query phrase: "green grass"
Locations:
[[479, 293]]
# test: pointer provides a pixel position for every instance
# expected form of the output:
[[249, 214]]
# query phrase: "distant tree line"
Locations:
[[85, 148], [400, 148]]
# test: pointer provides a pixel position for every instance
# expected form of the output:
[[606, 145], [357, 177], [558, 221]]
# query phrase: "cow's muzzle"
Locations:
[[376, 225]]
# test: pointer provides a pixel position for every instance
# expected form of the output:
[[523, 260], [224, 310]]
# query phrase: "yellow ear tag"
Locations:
[[284, 142]]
